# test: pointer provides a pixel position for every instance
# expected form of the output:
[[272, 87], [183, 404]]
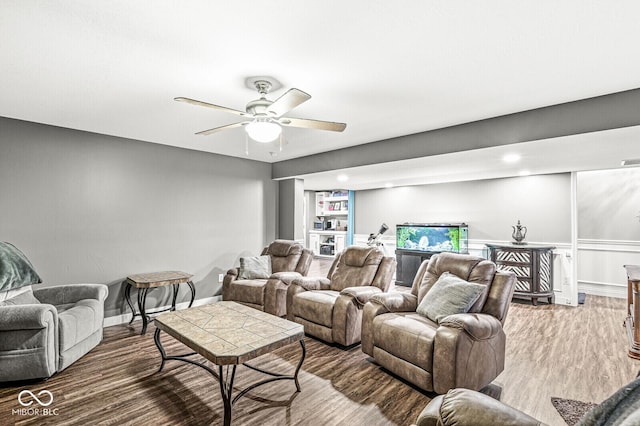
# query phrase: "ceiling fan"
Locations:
[[264, 117]]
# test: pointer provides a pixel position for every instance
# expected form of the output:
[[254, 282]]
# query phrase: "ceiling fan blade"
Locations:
[[288, 101], [219, 129], [208, 105], [312, 124]]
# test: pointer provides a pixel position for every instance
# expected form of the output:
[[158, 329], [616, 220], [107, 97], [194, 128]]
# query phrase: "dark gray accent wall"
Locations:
[[291, 209], [588, 115], [92, 208], [489, 207], [609, 204]]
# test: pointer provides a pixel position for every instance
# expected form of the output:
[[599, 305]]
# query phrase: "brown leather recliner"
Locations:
[[464, 407], [462, 350], [289, 260], [331, 308]]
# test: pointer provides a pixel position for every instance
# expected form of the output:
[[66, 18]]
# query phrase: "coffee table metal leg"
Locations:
[[163, 354], [226, 375], [127, 297], [193, 292], [295, 375], [226, 390], [276, 376]]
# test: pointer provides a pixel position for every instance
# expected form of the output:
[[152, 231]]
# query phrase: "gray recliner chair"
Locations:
[[43, 331], [331, 308], [461, 347], [288, 260]]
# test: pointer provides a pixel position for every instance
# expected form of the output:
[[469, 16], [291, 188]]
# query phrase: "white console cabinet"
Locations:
[[327, 243]]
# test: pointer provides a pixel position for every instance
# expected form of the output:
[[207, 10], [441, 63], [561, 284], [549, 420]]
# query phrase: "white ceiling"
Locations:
[[385, 68]]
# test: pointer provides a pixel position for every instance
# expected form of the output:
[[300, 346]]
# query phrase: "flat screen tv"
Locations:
[[432, 237]]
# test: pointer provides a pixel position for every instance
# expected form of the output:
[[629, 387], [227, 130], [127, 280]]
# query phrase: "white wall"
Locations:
[[489, 207], [608, 229]]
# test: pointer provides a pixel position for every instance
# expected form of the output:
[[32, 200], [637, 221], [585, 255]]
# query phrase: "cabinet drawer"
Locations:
[[524, 285], [513, 257], [520, 270]]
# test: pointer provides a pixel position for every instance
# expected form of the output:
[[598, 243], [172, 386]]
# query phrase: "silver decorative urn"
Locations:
[[519, 232]]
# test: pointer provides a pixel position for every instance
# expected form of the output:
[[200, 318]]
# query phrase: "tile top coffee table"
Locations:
[[144, 282], [228, 334]]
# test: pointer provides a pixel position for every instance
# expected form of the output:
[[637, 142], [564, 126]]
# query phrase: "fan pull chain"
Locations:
[[246, 144], [280, 141]]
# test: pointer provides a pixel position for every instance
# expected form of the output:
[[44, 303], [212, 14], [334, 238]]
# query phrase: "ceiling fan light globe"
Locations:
[[263, 131]]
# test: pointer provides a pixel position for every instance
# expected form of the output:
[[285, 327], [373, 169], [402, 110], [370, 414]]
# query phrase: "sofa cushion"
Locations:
[[23, 298], [285, 255], [406, 335], [357, 266], [79, 322], [15, 269], [316, 306], [283, 248], [255, 267], [449, 295], [248, 291]]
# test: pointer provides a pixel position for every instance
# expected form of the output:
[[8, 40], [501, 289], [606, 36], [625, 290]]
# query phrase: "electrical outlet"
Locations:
[[220, 277]]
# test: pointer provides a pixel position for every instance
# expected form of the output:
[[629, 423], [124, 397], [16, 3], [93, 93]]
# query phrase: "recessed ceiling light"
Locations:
[[342, 178], [524, 173], [388, 185], [511, 158]]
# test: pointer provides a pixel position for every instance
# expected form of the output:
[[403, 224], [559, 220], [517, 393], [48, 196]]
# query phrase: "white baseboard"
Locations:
[[603, 289], [125, 318]]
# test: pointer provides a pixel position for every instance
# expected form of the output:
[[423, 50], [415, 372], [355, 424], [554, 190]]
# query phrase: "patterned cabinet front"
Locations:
[[533, 266]]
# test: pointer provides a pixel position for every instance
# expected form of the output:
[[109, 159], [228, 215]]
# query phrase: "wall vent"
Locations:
[[632, 162]]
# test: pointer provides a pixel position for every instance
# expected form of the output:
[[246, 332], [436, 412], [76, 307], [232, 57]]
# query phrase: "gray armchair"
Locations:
[[44, 331], [331, 308], [465, 349]]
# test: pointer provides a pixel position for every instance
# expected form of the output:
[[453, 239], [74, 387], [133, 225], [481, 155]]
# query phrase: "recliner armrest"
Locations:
[[361, 294], [233, 271], [27, 317], [313, 283], [71, 293], [285, 277], [396, 302], [479, 326], [466, 407], [430, 415]]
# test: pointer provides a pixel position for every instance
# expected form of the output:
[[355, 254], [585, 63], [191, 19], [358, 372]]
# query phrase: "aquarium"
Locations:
[[432, 237]]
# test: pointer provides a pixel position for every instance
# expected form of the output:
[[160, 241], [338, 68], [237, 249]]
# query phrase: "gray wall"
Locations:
[[489, 207], [86, 207], [609, 204], [610, 111], [291, 209]]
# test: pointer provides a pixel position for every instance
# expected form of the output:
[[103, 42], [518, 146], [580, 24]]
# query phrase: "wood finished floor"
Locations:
[[552, 350]]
